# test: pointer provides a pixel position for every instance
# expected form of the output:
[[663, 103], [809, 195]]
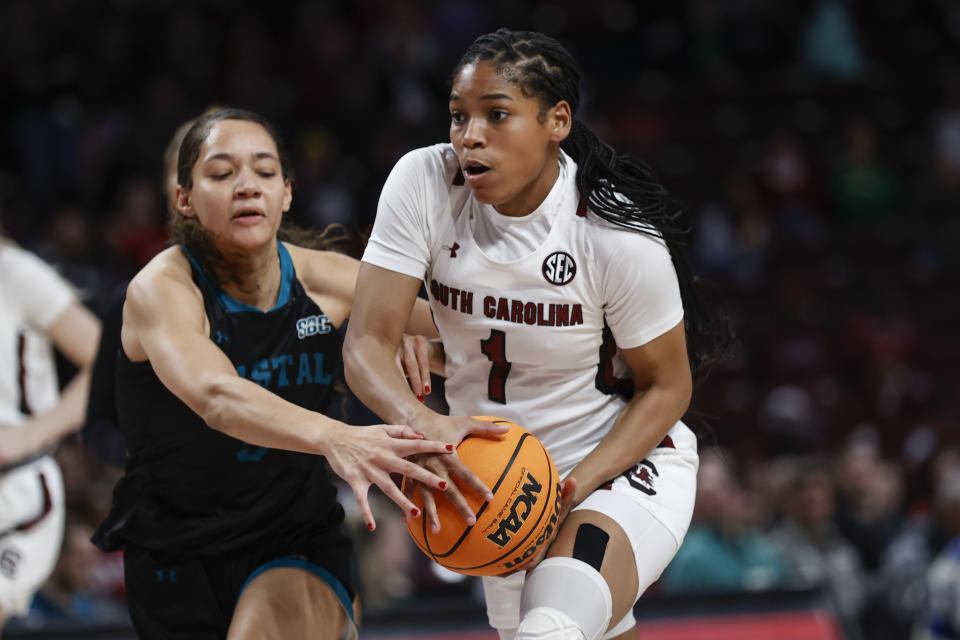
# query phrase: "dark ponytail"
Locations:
[[621, 189]]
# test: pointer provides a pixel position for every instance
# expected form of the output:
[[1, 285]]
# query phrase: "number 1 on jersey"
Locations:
[[495, 348]]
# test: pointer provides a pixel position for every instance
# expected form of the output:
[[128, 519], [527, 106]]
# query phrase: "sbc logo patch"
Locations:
[[559, 268], [313, 325]]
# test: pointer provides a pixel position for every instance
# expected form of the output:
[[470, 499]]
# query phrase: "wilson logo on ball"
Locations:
[[519, 510], [559, 268]]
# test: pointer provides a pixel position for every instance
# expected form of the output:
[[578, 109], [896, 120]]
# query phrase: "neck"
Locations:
[[252, 278], [537, 193]]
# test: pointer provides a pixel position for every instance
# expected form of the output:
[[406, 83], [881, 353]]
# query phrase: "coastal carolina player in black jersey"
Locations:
[[229, 522], [564, 303]]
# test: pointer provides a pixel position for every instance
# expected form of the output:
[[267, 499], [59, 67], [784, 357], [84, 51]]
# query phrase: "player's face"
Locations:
[[238, 192], [507, 144]]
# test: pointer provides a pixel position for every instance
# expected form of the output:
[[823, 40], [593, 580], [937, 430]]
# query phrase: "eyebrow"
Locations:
[[486, 96], [260, 155]]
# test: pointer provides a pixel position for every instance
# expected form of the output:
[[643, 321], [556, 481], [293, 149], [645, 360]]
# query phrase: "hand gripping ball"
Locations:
[[514, 525]]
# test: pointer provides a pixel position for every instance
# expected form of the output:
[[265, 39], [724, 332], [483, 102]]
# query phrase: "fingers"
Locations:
[[392, 491], [430, 509], [411, 366], [409, 447], [423, 362], [360, 493], [469, 478], [442, 466], [484, 428], [422, 475], [460, 504]]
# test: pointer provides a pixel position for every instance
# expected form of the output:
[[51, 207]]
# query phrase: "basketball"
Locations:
[[510, 528]]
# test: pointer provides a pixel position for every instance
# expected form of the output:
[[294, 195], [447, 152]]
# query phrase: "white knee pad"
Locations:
[[546, 623], [564, 599]]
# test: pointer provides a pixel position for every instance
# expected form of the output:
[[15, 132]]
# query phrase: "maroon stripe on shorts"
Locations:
[[47, 506], [22, 375]]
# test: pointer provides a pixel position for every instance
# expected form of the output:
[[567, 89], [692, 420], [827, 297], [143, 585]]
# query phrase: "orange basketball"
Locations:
[[511, 527]]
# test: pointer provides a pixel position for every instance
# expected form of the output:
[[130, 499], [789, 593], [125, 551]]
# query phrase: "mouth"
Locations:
[[247, 214], [473, 170]]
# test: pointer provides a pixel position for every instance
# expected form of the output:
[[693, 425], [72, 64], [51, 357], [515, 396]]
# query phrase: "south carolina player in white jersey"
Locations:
[[536, 259], [37, 308]]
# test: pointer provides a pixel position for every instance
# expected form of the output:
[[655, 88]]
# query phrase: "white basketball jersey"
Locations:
[[525, 338], [32, 297]]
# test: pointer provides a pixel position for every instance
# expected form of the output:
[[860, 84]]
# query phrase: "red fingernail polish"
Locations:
[[420, 434], [420, 398], [443, 485], [449, 447], [415, 512], [426, 389], [370, 526]]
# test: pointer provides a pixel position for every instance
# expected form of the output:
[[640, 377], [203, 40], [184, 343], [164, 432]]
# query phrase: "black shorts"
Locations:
[[173, 595]]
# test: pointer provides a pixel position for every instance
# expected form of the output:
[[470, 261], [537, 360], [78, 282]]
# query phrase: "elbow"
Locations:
[[214, 402], [351, 353], [354, 350]]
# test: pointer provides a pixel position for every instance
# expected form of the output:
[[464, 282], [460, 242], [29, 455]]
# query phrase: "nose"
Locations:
[[474, 134], [247, 185]]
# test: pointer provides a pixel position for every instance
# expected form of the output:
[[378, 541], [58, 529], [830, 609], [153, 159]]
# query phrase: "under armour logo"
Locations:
[[171, 575], [452, 250]]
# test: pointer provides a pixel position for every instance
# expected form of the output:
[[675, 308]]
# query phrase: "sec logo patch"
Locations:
[[559, 268]]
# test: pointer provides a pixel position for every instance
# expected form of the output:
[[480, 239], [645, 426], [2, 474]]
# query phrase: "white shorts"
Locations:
[[652, 503], [31, 531]]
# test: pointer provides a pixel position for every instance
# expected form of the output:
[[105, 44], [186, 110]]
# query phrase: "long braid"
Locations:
[[621, 189]]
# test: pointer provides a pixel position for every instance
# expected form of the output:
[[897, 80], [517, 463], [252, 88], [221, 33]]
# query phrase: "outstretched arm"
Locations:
[[164, 322]]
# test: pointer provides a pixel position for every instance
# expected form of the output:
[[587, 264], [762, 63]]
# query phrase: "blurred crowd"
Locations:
[[813, 144]]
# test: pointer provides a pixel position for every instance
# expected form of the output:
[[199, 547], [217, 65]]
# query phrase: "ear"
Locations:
[[287, 195], [184, 202], [559, 121]]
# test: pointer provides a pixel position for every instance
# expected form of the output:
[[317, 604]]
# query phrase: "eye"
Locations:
[[456, 117], [266, 174], [220, 176], [498, 114]]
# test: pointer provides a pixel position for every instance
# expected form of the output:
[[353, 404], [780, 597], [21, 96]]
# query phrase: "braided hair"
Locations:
[[621, 189]]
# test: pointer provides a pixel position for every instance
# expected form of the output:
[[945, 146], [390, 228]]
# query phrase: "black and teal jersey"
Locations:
[[190, 488]]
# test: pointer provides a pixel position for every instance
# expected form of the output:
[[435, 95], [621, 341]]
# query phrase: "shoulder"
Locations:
[[19, 263], [323, 272], [438, 161], [432, 168], [167, 274], [606, 239], [32, 286]]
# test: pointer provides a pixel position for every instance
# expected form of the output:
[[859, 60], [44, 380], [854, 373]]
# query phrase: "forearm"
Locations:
[[372, 374], [640, 427], [246, 411], [66, 416]]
